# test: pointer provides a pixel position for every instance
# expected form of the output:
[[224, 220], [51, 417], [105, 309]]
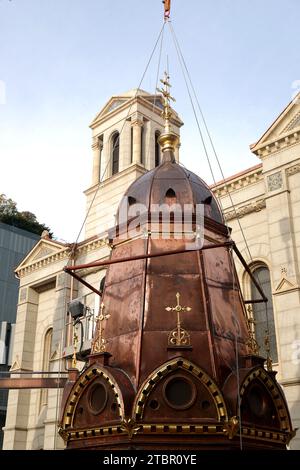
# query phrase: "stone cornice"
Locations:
[[292, 170], [277, 144], [237, 182], [36, 265], [129, 101], [241, 211], [83, 248], [114, 178], [91, 246]]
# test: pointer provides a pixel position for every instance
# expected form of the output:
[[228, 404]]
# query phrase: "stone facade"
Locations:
[[266, 205], [267, 208]]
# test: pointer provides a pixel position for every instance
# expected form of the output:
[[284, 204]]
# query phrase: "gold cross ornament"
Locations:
[[99, 343], [179, 336], [75, 342], [167, 112]]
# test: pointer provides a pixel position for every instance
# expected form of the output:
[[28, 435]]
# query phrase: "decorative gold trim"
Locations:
[[181, 428], [231, 428], [99, 342], [86, 379], [130, 427], [179, 336], [263, 435], [165, 370], [274, 391], [251, 342], [168, 140]]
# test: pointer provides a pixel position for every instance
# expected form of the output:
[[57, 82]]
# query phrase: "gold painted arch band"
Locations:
[[86, 379], [163, 371]]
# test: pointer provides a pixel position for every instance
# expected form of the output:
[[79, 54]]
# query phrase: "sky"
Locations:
[[61, 60]]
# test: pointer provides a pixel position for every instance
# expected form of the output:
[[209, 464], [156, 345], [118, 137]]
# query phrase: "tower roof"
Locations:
[[170, 178]]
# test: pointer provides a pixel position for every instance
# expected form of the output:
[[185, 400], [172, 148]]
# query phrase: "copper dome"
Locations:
[[181, 185]]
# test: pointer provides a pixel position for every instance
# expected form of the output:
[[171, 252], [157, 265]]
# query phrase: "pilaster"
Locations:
[[137, 125], [96, 161]]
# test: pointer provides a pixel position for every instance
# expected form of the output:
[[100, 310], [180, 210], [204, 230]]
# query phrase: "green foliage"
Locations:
[[25, 220]]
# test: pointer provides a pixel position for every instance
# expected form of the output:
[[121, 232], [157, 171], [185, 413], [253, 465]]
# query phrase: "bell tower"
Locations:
[[125, 136]]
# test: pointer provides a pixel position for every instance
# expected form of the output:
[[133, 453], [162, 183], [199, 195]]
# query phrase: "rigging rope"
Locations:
[[186, 74], [156, 85], [73, 250], [193, 107], [116, 143], [210, 138], [184, 67]]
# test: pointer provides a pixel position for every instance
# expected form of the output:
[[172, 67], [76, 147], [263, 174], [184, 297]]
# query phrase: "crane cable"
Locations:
[[115, 144], [186, 72], [74, 245], [184, 66]]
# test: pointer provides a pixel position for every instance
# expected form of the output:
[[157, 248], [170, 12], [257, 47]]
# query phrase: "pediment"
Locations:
[[16, 365], [114, 103], [41, 250], [287, 123], [284, 285]]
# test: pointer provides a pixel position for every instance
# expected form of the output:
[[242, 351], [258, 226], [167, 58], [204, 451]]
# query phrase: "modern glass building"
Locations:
[[15, 243]]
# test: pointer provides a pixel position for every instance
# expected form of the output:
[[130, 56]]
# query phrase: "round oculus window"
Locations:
[[179, 392], [97, 398]]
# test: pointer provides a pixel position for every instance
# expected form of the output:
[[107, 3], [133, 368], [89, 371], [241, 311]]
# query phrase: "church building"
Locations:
[[262, 207]]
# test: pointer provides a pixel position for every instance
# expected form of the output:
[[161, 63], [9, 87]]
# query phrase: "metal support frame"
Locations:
[[19, 383], [25, 383], [70, 269]]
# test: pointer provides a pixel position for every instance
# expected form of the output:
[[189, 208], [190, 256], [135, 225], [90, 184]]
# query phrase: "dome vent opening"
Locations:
[[207, 200], [170, 197], [131, 201]]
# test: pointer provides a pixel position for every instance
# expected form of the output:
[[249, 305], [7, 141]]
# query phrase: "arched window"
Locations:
[[262, 315], [115, 143], [157, 149], [46, 364]]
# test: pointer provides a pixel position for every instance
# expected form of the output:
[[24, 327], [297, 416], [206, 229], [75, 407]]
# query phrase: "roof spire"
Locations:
[[168, 140]]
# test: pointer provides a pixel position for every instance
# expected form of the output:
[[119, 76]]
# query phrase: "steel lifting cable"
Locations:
[[156, 85], [184, 66], [193, 106], [209, 136], [186, 72], [230, 253], [116, 143], [101, 180], [236, 347]]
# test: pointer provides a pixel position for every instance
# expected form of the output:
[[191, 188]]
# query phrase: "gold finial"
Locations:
[[168, 140], [252, 343], [99, 343], [75, 342], [269, 362], [179, 336]]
